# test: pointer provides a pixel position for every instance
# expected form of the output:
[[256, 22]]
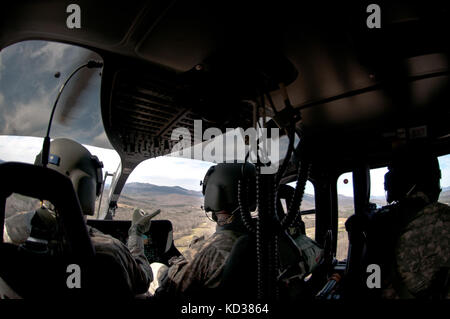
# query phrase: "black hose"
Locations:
[[291, 135], [273, 267], [243, 206], [259, 239], [302, 178]]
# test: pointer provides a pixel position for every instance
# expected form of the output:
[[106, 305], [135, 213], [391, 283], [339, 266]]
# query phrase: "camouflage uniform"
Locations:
[[422, 252], [134, 264], [202, 264]]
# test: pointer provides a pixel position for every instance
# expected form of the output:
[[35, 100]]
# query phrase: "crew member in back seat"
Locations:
[[85, 171], [412, 232], [202, 265]]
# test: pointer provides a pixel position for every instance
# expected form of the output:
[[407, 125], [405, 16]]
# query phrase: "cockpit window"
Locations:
[[444, 164], [377, 196], [172, 185], [346, 203], [31, 73]]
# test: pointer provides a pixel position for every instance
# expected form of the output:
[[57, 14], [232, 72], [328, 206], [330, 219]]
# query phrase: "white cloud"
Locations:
[[25, 119], [102, 140], [19, 148], [53, 53], [1, 66]]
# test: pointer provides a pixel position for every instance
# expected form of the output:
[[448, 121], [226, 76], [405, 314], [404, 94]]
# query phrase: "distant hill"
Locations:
[[170, 199], [445, 196], [179, 205], [139, 188], [1, 161]]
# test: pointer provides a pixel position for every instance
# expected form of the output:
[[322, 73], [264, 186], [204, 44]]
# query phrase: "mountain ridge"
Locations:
[[136, 187]]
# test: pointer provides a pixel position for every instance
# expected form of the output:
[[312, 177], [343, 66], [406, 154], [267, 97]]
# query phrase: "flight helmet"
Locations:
[[84, 170], [220, 186], [411, 170]]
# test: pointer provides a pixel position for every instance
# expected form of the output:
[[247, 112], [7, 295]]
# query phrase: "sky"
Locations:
[[28, 89]]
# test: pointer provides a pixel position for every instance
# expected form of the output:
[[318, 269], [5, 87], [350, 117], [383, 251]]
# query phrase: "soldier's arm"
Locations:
[[133, 263], [143, 273], [186, 278]]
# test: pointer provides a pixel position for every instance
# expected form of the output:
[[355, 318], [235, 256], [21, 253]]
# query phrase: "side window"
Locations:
[[345, 210], [308, 207], [309, 204], [444, 164], [346, 203]]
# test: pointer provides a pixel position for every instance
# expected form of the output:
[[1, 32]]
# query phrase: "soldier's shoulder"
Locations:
[[434, 212], [442, 207], [428, 226]]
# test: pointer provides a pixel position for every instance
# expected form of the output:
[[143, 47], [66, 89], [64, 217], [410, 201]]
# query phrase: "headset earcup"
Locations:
[[99, 174], [85, 192], [205, 180]]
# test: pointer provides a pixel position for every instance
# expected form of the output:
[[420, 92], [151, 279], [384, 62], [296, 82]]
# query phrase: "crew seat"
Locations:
[[42, 276]]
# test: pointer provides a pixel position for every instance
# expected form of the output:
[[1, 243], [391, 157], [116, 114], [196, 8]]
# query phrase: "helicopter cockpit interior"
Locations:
[[335, 86]]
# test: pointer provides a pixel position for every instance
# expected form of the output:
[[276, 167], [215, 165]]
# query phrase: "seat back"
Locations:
[[36, 275], [44, 183]]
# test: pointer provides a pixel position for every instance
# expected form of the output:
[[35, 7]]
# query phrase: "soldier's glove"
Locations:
[[141, 221], [140, 224]]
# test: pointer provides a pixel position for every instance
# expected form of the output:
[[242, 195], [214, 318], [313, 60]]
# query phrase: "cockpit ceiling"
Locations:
[[202, 59]]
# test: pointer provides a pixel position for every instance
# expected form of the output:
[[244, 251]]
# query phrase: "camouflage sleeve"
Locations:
[[423, 250], [137, 251], [200, 267], [203, 271], [135, 266]]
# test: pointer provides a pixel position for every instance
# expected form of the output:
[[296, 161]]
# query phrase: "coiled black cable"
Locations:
[[302, 178], [291, 135], [243, 206], [259, 244], [276, 265]]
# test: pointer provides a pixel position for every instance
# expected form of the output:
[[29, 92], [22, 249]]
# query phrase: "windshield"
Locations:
[[31, 73]]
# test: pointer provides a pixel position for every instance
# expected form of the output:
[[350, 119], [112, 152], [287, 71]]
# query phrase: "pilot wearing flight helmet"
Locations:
[[85, 171]]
